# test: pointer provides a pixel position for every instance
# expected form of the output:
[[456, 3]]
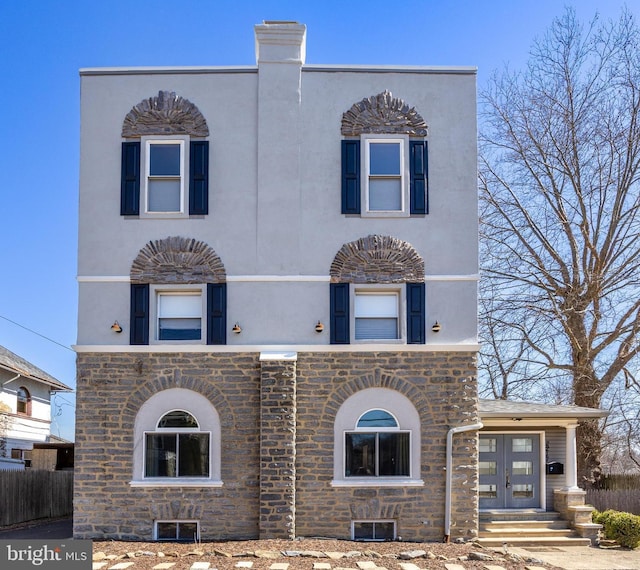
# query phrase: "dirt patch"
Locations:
[[303, 554]]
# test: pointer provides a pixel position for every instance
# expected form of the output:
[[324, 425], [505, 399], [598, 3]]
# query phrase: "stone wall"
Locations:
[[300, 401], [442, 387], [110, 390]]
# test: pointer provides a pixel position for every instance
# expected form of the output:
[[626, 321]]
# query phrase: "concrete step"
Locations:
[[519, 515], [527, 532], [525, 542], [492, 526]]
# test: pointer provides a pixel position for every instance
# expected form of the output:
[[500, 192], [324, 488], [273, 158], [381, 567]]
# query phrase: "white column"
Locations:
[[571, 463]]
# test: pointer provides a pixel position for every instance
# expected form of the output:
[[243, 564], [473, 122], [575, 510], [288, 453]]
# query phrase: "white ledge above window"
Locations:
[[377, 482], [160, 483]]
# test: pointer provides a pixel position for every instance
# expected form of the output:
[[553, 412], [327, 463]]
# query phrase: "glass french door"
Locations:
[[509, 470]]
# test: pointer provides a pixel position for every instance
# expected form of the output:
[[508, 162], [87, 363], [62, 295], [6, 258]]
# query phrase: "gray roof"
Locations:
[[19, 365], [510, 409]]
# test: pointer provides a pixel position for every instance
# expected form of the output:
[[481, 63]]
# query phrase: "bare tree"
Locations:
[[560, 213]]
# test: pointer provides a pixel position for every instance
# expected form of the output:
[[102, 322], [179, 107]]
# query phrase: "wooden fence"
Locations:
[[34, 494], [617, 492]]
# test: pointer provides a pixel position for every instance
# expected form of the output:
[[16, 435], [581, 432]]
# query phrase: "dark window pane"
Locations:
[[167, 530], [384, 159], [188, 532], [180, 329], [360, 454], [383, 531], [193, 455], [178, 419], [362, 531], [394, 454], [160, 455], [377, 418], [164, 160]]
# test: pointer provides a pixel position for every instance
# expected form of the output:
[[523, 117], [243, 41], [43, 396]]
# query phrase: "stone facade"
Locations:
[[277, 453]]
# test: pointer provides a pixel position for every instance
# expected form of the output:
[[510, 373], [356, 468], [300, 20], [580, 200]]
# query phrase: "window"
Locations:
[[167, 165], [389, 179], [164, 176], [390, 313], [377, 448], [24, 402], [177, 441], [181, 531], [377, 445], [376, 315], [179, 315], [177, 448], [373, 530], [385, 176]]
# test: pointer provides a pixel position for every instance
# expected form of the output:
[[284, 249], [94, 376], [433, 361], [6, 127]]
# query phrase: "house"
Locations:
[[277, 300], [25, 408]]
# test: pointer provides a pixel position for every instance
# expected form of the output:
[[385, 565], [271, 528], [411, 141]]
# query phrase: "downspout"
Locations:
[[449, 474]]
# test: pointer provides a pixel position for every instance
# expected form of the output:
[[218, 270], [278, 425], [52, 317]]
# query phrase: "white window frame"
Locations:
[[403, 142], [147, 420], [371, 289], [176, 521], [400, 407], [383, 521], [376, 430], [146, 143], [175, 431], [157, 291]]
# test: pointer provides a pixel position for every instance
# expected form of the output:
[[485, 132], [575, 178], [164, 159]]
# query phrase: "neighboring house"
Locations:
[[25, 392], [277, 300]]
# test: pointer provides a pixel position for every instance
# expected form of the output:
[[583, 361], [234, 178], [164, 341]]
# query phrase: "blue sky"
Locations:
[[43, 44]]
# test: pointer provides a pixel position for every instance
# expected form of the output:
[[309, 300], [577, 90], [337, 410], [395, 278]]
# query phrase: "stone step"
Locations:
[[528, 532], [528, 524], [520, 515], [525, 542]]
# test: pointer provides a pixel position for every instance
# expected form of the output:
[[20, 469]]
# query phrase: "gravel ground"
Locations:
[[303, 554]]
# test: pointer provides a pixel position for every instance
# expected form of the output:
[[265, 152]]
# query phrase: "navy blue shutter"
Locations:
[[419, 181], [216, 313], [415, 313], [130, 179], [339, 308], [350, 177], [139, 322], [199, 178]]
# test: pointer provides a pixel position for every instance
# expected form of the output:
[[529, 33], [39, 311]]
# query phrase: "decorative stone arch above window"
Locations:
[[383, 113], [377, 259], [165, 114], [177, 260]]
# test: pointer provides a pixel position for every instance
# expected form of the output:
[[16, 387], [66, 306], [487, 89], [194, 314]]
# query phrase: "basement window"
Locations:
[[180, 531], [373, 530]]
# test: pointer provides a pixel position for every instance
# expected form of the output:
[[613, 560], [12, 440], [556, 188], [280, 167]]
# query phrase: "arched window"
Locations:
[[177, 441], [177, 448], [24, 401], [377, 447], [377, 440]]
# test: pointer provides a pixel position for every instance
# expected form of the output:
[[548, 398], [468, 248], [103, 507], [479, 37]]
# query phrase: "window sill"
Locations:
[[161, 483], [377, 482], [384, 214]]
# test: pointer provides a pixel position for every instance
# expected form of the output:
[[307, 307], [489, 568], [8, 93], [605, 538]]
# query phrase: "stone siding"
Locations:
[[289, 438], [442, 387]]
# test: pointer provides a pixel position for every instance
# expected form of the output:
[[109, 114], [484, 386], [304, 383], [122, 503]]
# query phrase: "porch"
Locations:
[[528, 488]]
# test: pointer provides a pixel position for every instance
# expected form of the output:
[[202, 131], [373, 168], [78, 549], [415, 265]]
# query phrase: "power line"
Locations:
[[37, 333]]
